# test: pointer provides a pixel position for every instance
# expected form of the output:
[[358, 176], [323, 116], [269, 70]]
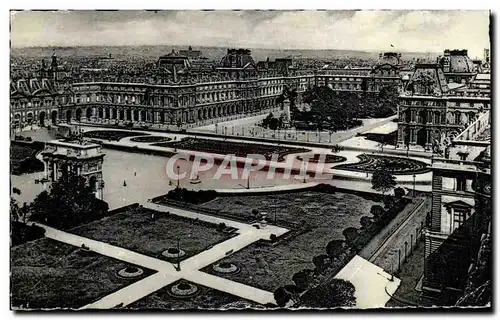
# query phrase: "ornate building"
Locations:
[[33, 101], [461, 210], [434, 107], [181, 91], [63, 158]]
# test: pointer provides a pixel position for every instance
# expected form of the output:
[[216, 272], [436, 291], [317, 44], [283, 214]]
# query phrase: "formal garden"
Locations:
[[240, 149], [22, 157], [112, 135], [397, 165], [328, 227], [183, 294], [156, 234], [325, 158], [150, 139], [49, 274]]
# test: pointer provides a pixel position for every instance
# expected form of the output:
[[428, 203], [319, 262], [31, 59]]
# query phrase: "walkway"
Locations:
[[166, 273]]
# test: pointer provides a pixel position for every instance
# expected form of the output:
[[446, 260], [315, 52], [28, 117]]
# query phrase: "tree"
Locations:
[[333, 294], [350, 235], [377, 211], [320, 262], [365, 222], [273, 124], [20, 231], [281, 296], [68, 203], [335, 248], [399, 193], [302, 278], [383, 180]]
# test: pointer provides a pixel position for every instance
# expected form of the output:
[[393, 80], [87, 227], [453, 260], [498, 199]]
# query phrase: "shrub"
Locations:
[[388, 202], [399, 193], [302, 278], [273, 237], [334, 294], [335, 248], [282, 296], [222, 226], [350, 235], [365, 222], [377, 211], [320, 262]]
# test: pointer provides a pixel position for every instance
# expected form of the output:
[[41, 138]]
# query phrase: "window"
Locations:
[[459, 218], [461, 183]]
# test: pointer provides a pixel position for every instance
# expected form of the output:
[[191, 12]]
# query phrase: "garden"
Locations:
[[183, 294], [316, 218], [153, 233], [22, 157], [396, 165], [49, 274], [328, 158], [112, 135], [150, 139], [328, 228], [240, 149]]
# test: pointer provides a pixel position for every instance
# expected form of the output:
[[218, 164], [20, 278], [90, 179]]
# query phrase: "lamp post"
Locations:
[[406, 245], [411, 243], [178, 254], [178, 177], [414, 177], [399, 260]]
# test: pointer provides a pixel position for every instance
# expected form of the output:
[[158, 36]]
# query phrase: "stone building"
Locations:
[[65, 158], [461, 210], [433, 108], [33, 101], [182, 92]]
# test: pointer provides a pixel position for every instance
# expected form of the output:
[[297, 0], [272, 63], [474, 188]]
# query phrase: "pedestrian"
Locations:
[[135, 174]]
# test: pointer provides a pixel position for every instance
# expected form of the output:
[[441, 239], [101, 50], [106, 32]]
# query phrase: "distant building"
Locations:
[[191, 54]]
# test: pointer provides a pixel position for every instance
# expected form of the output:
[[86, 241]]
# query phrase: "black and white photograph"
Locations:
[[235, 160]]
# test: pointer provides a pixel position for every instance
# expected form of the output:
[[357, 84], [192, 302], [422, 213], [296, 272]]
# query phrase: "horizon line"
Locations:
[[215, 46]]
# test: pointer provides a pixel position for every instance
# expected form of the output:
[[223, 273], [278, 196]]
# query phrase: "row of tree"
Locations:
[[312, 288], [341, 110]]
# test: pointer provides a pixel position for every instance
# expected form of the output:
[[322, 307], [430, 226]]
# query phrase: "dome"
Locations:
[[457, 61], [237, 58], [392, 58]]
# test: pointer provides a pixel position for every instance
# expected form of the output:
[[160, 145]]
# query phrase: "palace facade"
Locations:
[[440, 100], [461, 211], [186, 92]]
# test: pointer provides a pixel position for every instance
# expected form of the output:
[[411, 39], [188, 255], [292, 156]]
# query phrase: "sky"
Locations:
[[410, 31]]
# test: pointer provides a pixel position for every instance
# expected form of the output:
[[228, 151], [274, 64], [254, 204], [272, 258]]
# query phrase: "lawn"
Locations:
[[322, 216], [398, 165], [150, 139], [207, 298], [112, 135], [240, 149], [51, 274], [22, 158], [136, 230]]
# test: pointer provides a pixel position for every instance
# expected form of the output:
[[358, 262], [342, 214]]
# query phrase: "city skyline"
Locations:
[[405, 31]]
